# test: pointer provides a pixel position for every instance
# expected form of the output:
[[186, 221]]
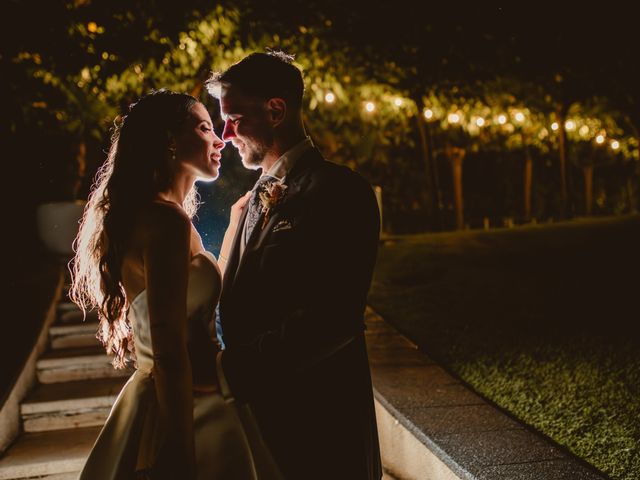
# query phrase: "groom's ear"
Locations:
[[277, 110]]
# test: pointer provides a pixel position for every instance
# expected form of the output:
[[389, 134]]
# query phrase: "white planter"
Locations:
[[58, 224]]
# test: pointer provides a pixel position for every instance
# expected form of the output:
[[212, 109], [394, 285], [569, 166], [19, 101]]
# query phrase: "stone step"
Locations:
[[67, 306], [59, 406], [60, 476], [73, 335], [45, 454], [75, 316], [71, 364]]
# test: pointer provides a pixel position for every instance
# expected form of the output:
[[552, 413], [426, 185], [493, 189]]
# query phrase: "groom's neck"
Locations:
[[281, 146]]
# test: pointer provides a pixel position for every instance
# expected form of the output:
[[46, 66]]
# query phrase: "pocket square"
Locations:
[[282, 225]]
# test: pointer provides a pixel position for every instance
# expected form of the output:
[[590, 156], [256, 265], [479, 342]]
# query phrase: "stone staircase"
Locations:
[[62, 415]]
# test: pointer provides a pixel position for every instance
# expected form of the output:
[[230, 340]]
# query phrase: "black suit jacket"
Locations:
[[291, 316]]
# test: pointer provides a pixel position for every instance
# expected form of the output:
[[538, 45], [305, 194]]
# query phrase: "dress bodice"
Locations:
[[203, 291]]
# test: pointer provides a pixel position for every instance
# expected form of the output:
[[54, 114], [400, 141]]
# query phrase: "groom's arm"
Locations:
[[340, 238]]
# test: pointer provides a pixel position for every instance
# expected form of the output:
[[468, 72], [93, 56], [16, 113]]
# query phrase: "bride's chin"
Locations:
[[210, 177]]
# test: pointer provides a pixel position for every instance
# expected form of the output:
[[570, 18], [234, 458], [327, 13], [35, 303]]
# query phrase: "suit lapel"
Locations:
[[234, 257], [296, 181]]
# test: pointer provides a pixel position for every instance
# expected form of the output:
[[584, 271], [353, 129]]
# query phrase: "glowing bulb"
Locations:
[[398, 102], [480, 121], [584, 131], [570, 125], [615, 144], [329, 97], [453, 118], [428, 114], [555, 126], [92, 27], [502, 119], [519, 117], [370, 106], [600, 139]]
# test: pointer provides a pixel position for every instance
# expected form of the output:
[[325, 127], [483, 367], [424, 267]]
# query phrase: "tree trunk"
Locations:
[[456, 155], [588, 188], [434, 195], [528, 180], [562, 147], [630, 196]]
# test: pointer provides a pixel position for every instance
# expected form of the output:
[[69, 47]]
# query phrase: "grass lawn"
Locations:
[[542, 320]]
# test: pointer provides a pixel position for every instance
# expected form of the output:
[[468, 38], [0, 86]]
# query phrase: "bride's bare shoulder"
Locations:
[[159, 217]]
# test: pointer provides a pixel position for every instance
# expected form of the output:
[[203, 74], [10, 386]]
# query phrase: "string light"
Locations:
[[92, 27], [520, 117]]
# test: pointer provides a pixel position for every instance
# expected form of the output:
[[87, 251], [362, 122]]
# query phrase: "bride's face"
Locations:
[[197, 147]]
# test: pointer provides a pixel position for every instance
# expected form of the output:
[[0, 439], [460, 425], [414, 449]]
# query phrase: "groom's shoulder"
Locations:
[[332, 175]]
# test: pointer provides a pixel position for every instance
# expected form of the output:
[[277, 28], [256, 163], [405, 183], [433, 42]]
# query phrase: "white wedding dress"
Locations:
[[228, 444]]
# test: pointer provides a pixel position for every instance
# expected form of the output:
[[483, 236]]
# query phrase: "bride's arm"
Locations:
[[234, 220], [166, 260]]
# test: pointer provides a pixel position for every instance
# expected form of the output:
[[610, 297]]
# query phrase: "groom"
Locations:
[[296, 282]]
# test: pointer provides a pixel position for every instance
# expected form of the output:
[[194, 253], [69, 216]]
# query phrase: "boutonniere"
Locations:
[[272, 194]]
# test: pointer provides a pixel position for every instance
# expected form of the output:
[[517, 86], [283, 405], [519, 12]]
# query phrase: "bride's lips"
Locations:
[[216, 159]]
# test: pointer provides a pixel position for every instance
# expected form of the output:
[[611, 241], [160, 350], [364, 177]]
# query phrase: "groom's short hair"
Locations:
[[263, 75]]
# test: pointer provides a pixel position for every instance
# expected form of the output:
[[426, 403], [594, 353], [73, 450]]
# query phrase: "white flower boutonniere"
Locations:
[[271, 195]]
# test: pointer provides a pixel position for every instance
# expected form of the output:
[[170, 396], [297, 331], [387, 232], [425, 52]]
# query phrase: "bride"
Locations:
[[141, 264]]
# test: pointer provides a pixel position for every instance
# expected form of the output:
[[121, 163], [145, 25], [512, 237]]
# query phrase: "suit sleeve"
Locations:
[[339, 235]]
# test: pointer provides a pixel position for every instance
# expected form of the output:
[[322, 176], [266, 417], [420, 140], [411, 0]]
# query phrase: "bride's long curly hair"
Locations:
[[138, 167]]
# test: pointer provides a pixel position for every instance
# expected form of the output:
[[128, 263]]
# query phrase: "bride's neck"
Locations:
[[178, 192]]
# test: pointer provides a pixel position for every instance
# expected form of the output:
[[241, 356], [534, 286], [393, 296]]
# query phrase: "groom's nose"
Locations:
[[228, 132]]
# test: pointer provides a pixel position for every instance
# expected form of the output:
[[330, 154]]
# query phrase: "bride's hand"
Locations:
[[237, 209]]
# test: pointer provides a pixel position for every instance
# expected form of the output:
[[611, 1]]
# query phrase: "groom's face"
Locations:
[[246, 125]]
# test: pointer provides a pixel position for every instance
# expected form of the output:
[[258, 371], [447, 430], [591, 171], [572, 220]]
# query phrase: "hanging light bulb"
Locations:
[[370, 107], [397, 102], [428, 114], [600, 139], [555, 126], [480, 121], [615, 144], [329, 97], [519, 116], [570, 125], [453, 118], [502, 119]]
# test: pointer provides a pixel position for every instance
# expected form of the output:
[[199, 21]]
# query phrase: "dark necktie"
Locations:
[[255, 207]]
